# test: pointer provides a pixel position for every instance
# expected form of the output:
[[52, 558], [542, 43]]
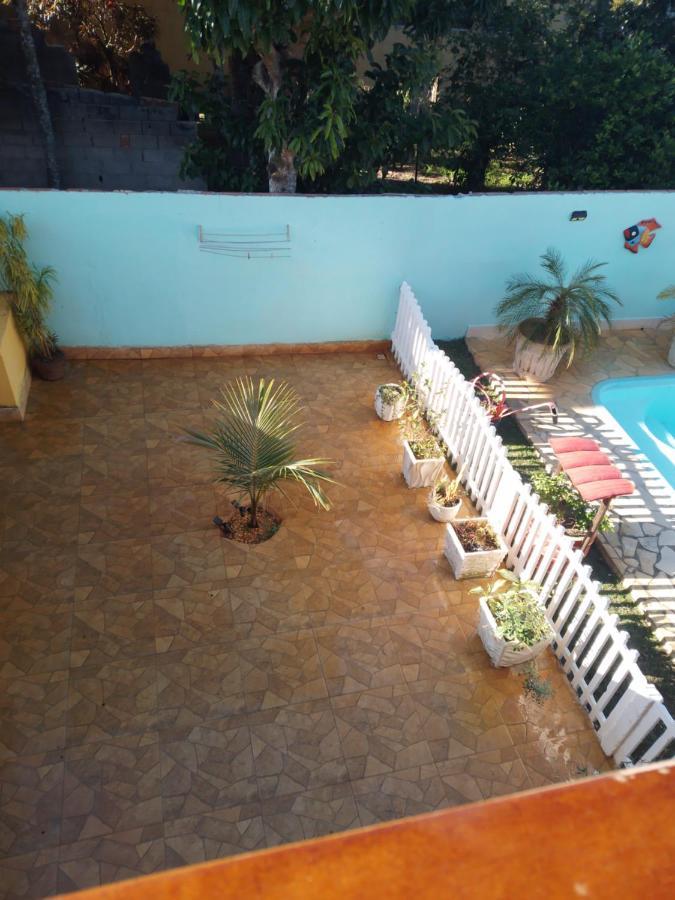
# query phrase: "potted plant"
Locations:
[[390, 401], [252, 441], [511, 623], [31, 295], [669, 294], [445, 498], [473, 548], [423, 461], [552, 318], [423, 453]]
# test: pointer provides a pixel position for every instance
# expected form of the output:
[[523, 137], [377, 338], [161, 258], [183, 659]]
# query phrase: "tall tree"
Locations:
[[304, 55], [38, 92]]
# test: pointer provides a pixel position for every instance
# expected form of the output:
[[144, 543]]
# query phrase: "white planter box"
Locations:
[[471, 565], [420, 472], [536, 360], [443, 513], [389, 412], [501, 652]]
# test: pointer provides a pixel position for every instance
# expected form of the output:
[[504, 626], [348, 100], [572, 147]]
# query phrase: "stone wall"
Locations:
[[104, 141]]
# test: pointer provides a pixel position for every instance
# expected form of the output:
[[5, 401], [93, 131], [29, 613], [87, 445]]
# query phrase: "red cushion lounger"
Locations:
[[572, 444], [606, 490], [582, 458], [586, 474]]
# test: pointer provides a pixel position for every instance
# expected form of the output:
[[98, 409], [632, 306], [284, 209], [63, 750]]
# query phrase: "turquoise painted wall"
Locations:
[[130, 272]]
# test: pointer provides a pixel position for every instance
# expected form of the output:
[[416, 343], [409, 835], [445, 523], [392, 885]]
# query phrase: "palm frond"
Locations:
[[252, 441], [570, 311]]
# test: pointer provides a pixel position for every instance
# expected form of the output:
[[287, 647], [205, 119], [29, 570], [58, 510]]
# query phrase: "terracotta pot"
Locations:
[[52, 369], [536, 360]]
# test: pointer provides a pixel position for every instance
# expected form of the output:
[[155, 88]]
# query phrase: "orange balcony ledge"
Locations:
[[611, 836]]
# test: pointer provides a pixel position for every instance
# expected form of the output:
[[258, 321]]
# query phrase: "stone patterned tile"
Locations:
[[54, 478], [113, 516], [113, 785], [191, 616], [32, 714], [204, 682], [380, 731], [24, 443], [31, 788], [296, 748], [460, 786], [114, 434], [170, 393], [557, 757], [311, 814], [35, 641], [207, 767], [408, 792], [359, 656], [496, 772], [214, 835], [30, 876], [349, 595], [459, 716], [267, 604], [111, 700], [33, 574], [112, 857], [181, 560], [108, 469], [433, 646], [281, 669], [106, 629], [114, 567], [174, 510], [26, 518], [174, 462]]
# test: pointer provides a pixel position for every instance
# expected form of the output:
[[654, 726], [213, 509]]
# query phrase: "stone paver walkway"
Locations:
[[641, 546], [167, 696]]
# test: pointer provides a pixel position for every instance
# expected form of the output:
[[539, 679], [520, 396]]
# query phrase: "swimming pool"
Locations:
[[645, 409]]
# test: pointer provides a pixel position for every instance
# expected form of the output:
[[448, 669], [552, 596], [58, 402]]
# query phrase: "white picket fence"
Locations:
[[631, 720]]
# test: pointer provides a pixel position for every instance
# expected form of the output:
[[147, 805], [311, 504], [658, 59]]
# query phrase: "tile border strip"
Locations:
[[207, 351]]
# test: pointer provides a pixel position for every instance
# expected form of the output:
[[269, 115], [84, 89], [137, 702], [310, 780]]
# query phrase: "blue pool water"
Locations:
[[645, 409]]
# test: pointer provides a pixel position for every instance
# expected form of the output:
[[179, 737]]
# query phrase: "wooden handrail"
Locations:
[[611, 836]]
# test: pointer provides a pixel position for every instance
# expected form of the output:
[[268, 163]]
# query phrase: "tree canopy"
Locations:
[[470, 94]]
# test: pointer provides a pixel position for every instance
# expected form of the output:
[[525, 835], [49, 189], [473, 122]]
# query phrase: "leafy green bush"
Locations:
[[516, 610], [571, 511]]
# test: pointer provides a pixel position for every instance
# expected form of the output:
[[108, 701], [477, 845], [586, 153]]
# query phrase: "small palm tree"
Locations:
[[557, 312], [253, 446]]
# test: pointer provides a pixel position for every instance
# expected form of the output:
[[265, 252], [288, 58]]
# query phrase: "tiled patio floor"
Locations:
[[168, 697]]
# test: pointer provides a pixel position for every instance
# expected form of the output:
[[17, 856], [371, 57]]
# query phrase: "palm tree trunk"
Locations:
[[38, 92], [253, 518]]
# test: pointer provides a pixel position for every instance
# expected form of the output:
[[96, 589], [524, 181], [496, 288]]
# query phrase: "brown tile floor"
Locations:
[[168, 697]]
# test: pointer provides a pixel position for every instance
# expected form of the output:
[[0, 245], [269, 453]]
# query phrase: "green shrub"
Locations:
[[516, 610], [566, 504]]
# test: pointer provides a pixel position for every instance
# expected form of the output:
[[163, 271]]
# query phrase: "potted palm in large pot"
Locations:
[[30, 290], [553, 318], [511, 623], [254, 452]]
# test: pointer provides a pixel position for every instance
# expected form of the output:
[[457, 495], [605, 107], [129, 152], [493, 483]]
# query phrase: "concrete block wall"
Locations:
[[104, 141]]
